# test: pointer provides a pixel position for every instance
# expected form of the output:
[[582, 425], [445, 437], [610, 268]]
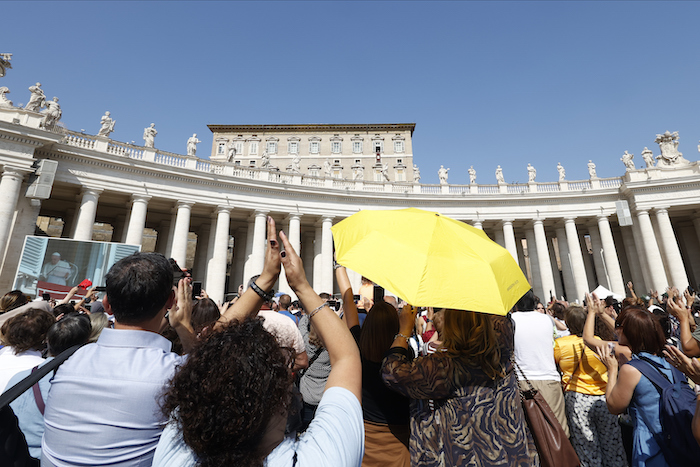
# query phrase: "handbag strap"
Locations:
[[37, 395], [15, 391], [512, 358], [583, 352]]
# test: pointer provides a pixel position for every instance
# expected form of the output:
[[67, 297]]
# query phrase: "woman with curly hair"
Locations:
[[24, 336], [476, 418], [228, 403]]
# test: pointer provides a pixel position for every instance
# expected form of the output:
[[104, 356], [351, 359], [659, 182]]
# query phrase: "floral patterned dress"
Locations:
[[475, 421]]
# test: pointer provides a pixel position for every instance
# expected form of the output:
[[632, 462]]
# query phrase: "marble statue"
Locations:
[[149, 136], [52, 113], [327, 168], [627, 160], [562, 172], [499, 175], [358, 173], [472, 175], [416, 172], [648, 157], [107, 123], [5, 63], [265, 160], [531, 173], [296, 164], [670, 156], [192, 145], [442, 175], [385, 172], [37, 99], [591, 169], [231, 152], [4, 101]]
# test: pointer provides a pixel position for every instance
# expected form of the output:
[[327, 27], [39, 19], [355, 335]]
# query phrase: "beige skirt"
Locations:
[[386, 445]]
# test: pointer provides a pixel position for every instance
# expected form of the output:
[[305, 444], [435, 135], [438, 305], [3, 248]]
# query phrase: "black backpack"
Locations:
[[677, 407]]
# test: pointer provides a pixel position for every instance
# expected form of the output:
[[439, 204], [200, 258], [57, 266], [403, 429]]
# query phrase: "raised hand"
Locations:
[[689, 366]]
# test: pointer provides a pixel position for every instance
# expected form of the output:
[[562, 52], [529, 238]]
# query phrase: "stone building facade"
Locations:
[[568, 236], [379, 152]]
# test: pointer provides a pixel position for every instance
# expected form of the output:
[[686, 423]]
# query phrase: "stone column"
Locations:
[[669, 245], [567, 270], [587, 263], [239, 258], [318, 260], [637, 271], [181, 232], [611, 261], [86, 214], [579, 270], [201, 259], [509, 241], [137, 219], [478, 225], [10, 185], [327, 254], [293, 232], [216, 273], [257, 254], [556, 273], [598, 262], [653, 255], [544, 265]]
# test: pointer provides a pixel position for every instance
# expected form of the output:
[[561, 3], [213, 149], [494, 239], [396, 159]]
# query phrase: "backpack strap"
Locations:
[[652, 373]]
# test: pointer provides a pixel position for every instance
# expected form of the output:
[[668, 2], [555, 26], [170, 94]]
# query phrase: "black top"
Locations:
[[379, 403]]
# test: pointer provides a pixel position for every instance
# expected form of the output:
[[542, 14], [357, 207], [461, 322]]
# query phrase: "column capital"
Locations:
[[569, 220], [538, 221], [258, 213], [184, 204], [293, 215], [661, 209], [223, 208], [140, 198], [602, 216], [14, 172], [323, 220], [96, 192], [506, 222]]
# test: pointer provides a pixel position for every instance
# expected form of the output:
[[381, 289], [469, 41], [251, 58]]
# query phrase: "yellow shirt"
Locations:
[[591, 376]]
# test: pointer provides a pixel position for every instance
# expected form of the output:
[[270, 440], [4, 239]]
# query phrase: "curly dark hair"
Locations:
[[27, 330], [223, 398]]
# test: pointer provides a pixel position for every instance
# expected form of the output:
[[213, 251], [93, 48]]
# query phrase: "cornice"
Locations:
[[369, 127]]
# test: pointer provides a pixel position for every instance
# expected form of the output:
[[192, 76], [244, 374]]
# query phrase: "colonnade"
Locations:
[[566, 256]]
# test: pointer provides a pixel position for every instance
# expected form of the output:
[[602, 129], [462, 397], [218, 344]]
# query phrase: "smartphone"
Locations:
[[356, 298], [101, 288], [196, 289], [46, 296], [378, 294]]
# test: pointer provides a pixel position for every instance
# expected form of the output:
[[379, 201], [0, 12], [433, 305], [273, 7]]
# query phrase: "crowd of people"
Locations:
[[167, 379]]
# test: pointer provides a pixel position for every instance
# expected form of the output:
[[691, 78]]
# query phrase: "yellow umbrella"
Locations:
[[430, 260]]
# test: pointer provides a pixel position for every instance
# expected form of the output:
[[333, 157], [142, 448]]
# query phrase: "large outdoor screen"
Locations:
[[55, 265]]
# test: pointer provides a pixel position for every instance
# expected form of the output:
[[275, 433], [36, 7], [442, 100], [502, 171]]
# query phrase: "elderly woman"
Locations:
[[477, 418], [228, 403]]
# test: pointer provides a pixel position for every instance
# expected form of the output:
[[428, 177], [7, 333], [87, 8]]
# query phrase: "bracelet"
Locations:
[[266, 296], [401, 335], [337, 265], [311, 315]]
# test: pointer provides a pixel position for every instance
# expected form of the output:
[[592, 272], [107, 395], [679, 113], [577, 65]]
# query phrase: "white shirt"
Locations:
[[534, 346], [11, 363]]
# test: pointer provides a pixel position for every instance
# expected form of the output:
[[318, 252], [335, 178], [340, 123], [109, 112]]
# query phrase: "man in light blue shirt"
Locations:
[[103, 407]]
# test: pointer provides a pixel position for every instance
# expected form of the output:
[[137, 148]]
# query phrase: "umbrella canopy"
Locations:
[[430, 260]]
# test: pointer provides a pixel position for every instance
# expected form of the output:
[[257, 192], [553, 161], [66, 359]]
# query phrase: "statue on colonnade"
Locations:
[[591, 169], [442, 175], [358, 173], [531, 173], [327, 168], [5, 64], [562, 172], [499, 175], [107, 125], [648, 157], [265, 160], [416, 173], [37, 99], [670, 156], [4, 101], [231, 152], [385, 172], [472, 175], [296, 164], [52, 113], [192, 145], [627, 160], [149, 136]]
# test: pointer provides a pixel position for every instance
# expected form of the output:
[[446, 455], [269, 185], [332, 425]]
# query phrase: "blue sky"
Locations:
[[486, 83]]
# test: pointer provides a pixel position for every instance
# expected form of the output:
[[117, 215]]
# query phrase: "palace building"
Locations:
[[209, 214]]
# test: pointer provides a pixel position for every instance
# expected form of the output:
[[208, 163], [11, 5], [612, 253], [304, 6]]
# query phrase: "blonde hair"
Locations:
[[470, 338]]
